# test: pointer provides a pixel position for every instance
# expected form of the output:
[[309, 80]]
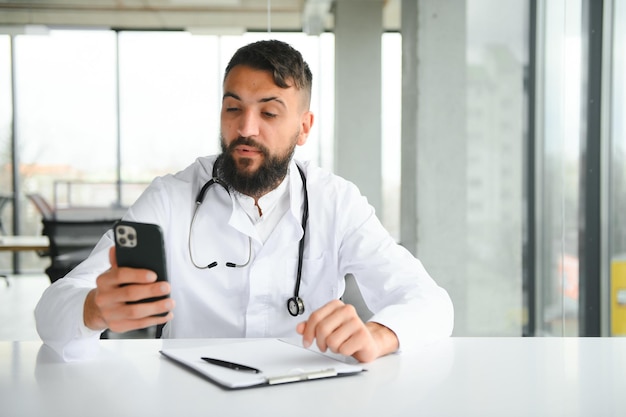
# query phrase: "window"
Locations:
[[168, 112], [558, 186], [496, 58]]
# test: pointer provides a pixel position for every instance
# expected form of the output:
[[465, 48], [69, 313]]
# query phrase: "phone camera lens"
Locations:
[[123, 240]]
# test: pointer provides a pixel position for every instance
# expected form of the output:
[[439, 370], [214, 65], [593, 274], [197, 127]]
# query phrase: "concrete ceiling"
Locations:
[[209, 16]]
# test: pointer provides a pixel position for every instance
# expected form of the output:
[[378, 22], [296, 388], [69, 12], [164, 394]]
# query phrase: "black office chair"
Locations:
[[71, 242], [42, 205], [352, 295]]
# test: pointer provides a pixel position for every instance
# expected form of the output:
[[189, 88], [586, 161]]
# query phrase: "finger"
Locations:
[[127, 325], [337, 327], [107, 290], [138, 311], [127, 276], [318, 317], [112, 257], [113, 304], [348, 338], [136, 292], [113, 287], [130, 275], [142, 310]]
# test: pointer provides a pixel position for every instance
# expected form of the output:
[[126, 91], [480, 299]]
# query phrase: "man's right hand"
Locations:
[[106, 306]]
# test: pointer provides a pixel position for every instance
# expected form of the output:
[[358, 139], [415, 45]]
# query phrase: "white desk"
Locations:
[[23, 243], [457, 377]]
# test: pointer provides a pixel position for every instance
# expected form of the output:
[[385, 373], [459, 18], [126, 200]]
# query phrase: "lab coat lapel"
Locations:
[[240, 221], [287, 232], [289, 229]]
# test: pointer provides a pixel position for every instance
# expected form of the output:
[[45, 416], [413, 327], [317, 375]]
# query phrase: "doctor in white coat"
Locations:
[[262, 251]]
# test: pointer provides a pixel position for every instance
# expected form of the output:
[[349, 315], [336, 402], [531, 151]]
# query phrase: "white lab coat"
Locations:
[[343, 236]]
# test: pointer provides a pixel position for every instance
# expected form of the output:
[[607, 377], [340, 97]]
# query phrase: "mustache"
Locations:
[[247, 141]]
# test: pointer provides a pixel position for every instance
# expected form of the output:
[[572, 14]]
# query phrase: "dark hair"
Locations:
[[282, 60]]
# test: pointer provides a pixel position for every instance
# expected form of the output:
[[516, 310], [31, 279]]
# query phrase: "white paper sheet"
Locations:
[[278, 361]]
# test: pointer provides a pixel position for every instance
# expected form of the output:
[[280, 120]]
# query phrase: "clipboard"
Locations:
[[278, 362]]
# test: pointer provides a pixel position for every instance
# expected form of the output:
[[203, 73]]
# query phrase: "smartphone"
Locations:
[[140, 245]]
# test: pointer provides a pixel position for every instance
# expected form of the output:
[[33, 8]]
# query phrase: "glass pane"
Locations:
[[617, 192], [558, 185], [168, 103], [171, 98], [66, 107], [66, 121], [6, 176], [6, 115], [497, 58], [391, 130]]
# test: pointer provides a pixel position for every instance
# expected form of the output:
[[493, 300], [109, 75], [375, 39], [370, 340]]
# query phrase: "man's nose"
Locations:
[[248, 124]]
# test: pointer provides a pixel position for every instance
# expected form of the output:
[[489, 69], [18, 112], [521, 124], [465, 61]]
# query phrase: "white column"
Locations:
[[358, 31], [434, 155]]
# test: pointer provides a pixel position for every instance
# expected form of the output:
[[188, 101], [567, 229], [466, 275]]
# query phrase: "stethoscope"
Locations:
[[295, 305]]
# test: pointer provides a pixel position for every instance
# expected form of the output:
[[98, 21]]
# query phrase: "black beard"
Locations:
[[268, 176]]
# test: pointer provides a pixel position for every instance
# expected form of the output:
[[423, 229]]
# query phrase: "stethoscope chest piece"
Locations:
[[295, 305]]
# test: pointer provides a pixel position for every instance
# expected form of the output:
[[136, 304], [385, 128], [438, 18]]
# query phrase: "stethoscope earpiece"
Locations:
[[295, 305]]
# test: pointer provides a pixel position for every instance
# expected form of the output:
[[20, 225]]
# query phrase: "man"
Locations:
[[236, 250]]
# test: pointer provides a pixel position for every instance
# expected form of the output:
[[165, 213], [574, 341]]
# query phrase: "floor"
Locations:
[[18, 298], [17, 304]]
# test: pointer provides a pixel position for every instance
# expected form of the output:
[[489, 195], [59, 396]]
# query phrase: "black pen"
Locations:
[[231, 365]]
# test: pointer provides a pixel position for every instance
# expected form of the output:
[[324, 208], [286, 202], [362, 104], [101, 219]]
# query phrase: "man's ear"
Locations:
[[305, 127]]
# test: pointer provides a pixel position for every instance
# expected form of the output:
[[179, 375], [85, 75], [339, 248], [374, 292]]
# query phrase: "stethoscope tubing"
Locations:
[[295, 305]]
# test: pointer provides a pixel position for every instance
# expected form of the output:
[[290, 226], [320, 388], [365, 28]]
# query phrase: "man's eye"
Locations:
[[231, 109], [269, 115]]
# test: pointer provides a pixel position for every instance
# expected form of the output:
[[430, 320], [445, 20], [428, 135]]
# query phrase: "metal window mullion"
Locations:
[[15, 157], [529, 248], [590, 171]]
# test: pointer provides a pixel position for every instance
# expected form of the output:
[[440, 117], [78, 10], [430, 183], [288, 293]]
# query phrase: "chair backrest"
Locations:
[[72, 236], [44, 208], [352, 295], [71, 242]]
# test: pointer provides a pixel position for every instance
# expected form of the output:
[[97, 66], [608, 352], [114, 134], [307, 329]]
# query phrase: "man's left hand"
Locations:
[[337, 326]]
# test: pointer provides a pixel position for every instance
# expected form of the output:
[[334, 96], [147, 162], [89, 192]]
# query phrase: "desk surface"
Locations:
[[456, 377], [23, 243]]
